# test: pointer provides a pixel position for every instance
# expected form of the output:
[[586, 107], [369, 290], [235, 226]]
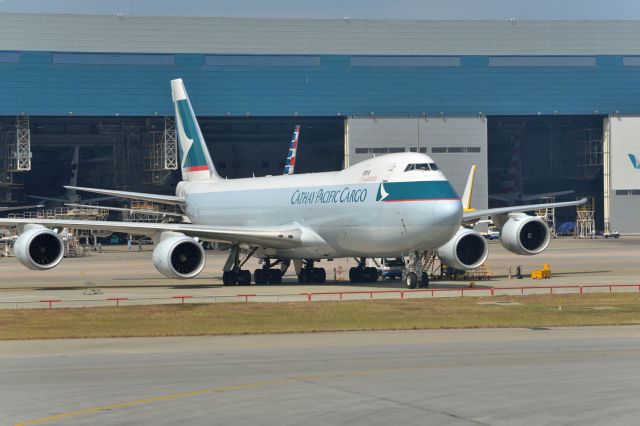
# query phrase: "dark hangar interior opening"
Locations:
[[544, 154], [124, 152]]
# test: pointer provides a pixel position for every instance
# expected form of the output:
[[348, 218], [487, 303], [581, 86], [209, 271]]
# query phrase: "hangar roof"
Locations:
[[121, 33]]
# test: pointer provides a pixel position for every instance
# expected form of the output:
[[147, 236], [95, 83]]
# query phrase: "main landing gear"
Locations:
[[233, 273], [310, 275], [268, 274], [361, 273], [414, 270]]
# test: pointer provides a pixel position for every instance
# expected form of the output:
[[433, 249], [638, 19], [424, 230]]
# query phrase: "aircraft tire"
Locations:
[[425, 280], [355, 275], [229, 278], [304, 277], [370, 274], [259, 277], [244, 277], [319, 275], [274, 276], [411, 280]]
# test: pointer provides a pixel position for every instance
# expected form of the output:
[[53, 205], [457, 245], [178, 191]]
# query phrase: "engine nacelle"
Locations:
[[524, 234], [466, 250], [38, 248], [178, 256]]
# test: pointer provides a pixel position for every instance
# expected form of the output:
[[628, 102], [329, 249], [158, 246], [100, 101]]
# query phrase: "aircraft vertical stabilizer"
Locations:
[[290, 164], [195, 159], [468, 190]]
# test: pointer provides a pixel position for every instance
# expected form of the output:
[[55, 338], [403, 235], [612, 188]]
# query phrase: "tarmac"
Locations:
[[568, 376], [117, 273]]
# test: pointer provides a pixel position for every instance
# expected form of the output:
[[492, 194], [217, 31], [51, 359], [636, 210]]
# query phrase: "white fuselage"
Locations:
[[372, 209]]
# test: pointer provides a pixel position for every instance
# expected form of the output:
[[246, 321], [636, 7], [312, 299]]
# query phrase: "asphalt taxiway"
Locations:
[[581, 376]]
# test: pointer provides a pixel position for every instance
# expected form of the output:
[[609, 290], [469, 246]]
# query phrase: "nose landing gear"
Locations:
[[414, 270]]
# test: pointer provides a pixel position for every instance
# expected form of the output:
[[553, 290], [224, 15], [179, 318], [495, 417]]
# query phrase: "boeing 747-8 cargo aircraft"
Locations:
[[393, 205]]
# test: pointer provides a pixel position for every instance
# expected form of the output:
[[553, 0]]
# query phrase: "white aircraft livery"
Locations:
[[389, 206]]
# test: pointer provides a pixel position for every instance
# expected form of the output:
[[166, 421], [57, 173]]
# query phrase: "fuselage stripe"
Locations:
[[420, 199]]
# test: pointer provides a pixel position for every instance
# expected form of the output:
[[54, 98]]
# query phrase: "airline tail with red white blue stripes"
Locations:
[[195, 160], [290, 164]]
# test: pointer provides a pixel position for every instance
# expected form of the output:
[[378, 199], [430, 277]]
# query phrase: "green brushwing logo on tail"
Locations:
[[390, 192], [195, 159]]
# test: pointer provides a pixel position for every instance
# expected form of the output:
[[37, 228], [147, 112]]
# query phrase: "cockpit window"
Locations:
[[420, 166], [433, 166]]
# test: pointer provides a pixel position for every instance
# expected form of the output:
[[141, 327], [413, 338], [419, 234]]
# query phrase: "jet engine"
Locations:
[[178, 256], [38, 248], [466, 250], [524, 234]]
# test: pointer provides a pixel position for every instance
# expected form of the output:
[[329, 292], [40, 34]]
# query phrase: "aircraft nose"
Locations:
[[447, 215], [448, 212]]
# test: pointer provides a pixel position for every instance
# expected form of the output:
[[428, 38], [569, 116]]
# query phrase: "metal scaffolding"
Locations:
[[548, 215], [576, 154], [15, 156], [144, 211], [116, 171], [23, 144], [127, 151], [170, 144], [585, 219], [161, 153]]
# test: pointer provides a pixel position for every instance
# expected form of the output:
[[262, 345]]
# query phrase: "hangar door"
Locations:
[[455, 143], [624, 160]]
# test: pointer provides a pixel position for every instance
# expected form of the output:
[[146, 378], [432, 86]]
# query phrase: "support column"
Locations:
[[606, 161]]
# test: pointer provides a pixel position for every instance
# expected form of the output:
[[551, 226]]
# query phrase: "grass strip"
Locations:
[[256, 318]]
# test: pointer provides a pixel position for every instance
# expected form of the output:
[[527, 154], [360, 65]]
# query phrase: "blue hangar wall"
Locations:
[[104, 84]]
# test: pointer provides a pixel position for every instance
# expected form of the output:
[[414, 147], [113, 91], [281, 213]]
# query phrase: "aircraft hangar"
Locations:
[[539, 106]]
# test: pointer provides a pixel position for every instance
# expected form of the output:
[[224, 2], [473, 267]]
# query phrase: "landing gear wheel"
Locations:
[[425, 280], [230, 278], [319, 275], [275, 276], [305, 276], [370, 274], [259, 276], [356, 275], [244, 278], [411, 280]]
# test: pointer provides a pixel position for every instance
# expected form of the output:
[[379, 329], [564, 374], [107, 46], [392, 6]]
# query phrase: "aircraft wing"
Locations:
[[155, 198], [473, 215], [281, 237]]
